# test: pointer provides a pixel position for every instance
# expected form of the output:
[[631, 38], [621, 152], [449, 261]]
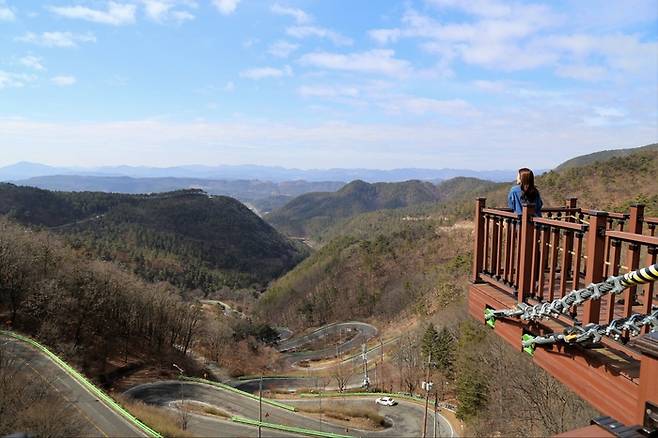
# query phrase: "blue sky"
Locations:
[[325, 83]]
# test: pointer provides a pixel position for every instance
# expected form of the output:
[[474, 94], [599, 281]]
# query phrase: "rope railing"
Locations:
[[613, 285], [592, 333]]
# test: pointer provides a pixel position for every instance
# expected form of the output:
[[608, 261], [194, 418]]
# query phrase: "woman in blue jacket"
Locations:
[[524, 192]]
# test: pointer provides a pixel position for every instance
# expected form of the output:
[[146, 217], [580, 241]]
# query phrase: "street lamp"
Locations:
[[182, 398]]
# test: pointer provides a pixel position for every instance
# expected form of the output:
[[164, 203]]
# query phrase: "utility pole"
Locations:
[[366, 380], [427, 385], [436, 408], [260, 405], [183, 410], [381, 349]]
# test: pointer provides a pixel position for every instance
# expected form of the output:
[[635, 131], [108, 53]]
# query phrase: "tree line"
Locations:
[[88, 309]]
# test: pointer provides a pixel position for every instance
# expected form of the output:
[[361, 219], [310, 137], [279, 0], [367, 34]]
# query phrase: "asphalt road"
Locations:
[[406, 417], [365, 332], [97, 418]]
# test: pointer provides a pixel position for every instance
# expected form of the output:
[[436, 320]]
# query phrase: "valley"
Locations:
[[190, 306]]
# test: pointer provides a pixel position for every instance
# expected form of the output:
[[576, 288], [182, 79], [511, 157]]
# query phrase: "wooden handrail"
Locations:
[[560, 224], [501, 213], [611, 215], [632, 237], [560, 210], [651, 220]]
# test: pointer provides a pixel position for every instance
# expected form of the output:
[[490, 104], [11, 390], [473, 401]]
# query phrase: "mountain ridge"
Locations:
[[188, 238], [25, 170]]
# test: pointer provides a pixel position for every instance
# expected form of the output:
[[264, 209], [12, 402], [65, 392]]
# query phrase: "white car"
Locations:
[[386, 401]]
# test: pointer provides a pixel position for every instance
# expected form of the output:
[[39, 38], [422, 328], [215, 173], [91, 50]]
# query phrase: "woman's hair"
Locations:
[[528, 188]]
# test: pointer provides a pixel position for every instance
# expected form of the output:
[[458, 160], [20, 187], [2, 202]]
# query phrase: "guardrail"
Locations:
[[239, 391], [403, 396], [85, 383], [543, 258], [285, 428]]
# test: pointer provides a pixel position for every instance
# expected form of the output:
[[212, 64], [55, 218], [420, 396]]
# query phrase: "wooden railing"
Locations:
[[538, 259]]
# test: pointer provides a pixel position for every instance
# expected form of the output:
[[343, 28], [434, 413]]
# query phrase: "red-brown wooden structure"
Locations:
[[524, 258]]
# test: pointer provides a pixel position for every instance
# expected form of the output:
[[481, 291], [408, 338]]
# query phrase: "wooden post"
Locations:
[[525, 252], [648, 385], [478, 246], [571, 202], [633, 255], [595, 262]]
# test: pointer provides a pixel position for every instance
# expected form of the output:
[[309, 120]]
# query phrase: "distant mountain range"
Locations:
[[263, 196], [25, 170], [310, 214]]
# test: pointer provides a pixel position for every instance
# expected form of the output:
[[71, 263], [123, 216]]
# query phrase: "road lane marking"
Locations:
[[64, 397]]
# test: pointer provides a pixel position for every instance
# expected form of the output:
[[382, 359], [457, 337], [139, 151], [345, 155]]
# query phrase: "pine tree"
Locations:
[[430, 342], [443, 353], [472, 386]]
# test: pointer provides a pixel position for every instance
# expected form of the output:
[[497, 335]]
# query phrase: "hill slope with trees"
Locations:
[[314, 213], [393, 257], [187, 238], [400, 267], [584, 160]]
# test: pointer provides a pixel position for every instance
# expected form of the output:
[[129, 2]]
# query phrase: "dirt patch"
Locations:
[[350, 416], [205, 409], [160, 419]]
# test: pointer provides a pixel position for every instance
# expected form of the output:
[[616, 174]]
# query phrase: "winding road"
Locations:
[[364, 332], [97, 418], [405, 418]]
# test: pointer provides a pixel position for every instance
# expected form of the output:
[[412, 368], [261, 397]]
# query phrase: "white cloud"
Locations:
[[385, 36], [115, 14], [605, 116], [319, 32], [374, 61], [300, 16], [282, 49], [326, 91], [229, 86], [423, 105], [6, 14], [226, 7], [491, 86], [14, 80], [494, 141], [485, 8], [57, 39], [609, 112], [496, 38], [165, 10], [33, 62], [581, 72], [266, 72], [590, 57], [63, 81]]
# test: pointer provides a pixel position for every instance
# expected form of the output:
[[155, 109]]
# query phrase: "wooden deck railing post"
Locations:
[[633, 255], [595, 262], [648, 385], [478, 246], [525, 252], [571, 202]]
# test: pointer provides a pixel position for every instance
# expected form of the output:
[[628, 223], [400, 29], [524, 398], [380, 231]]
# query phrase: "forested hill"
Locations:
[[313, 214], [604, 184], [383, 263], [185, 237], [584, 160]]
